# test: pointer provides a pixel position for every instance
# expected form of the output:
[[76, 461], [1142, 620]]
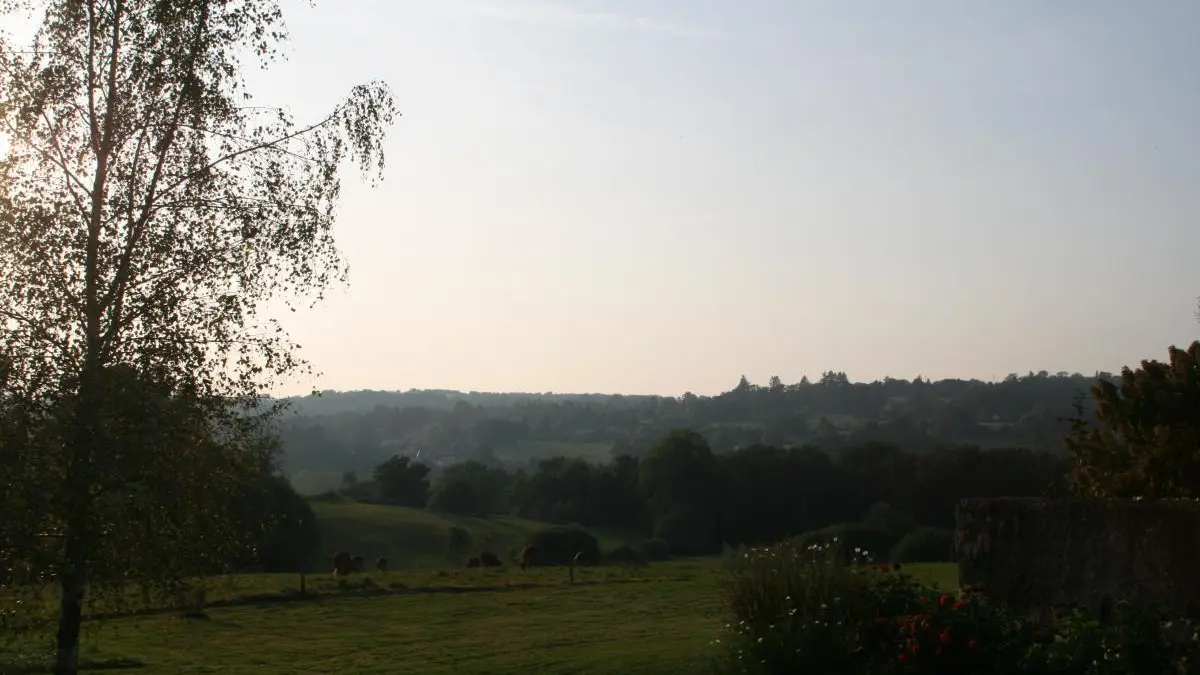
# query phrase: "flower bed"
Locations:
[[805, 610]]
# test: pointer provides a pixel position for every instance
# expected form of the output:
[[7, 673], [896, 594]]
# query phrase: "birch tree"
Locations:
[[149, 208]]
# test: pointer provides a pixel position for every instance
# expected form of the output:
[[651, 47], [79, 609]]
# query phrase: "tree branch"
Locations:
[[254, 148]]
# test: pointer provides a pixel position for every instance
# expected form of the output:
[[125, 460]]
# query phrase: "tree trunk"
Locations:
[[70, 622], [76, 486]]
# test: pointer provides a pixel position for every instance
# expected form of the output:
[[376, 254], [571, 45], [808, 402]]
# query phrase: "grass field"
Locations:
[[415, 538], [428, 615], [658, 619]]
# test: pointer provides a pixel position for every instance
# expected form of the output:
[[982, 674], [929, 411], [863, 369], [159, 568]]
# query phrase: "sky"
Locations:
[[658, 196]]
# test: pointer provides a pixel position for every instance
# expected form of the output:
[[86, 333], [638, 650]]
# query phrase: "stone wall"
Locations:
[[1040, 553]]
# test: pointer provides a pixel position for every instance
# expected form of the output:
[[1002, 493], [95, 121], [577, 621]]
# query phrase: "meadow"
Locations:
[[416, 538], [656, 619], [427, 616]]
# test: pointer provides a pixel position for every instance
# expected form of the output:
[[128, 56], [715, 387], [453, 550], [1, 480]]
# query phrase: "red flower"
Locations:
[[960, 606], [976, 588], [944, 600], [973, 645], [882, 623], [902, 657], [945, 637]]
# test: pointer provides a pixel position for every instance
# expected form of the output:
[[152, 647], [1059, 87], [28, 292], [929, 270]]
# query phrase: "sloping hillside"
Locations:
[[414, 538]]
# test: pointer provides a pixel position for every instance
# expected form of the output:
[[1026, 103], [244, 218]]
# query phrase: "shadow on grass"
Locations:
[[393, 589], [41, 666]]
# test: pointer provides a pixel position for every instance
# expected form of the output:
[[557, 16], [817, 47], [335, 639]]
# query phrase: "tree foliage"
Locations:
[[403, 482], [1147, 440], [470, 489], [458, 543], [148, 211], [558, 546], [160, 508], [282, 526]]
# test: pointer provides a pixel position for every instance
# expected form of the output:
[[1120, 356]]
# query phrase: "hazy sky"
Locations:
[[655, 196]]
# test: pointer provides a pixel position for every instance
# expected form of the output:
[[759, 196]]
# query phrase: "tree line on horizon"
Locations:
[[354, 431], [871, 495], [1138, 438]]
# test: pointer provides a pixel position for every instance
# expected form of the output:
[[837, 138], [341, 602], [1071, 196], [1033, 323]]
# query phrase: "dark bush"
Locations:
[[689, 530], [282, 525], [626, 555], [458, 543], [850, 537], [890, 520], [558, 545], [656, 550], [924, 544]]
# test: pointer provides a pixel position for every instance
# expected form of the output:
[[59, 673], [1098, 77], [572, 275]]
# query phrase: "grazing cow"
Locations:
[[528, 555], [357, 563], [381, 565], [489, 559], [473, 563], [343, 564]]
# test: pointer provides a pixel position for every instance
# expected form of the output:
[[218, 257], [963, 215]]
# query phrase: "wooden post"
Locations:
[[571, 572], [576, 559]]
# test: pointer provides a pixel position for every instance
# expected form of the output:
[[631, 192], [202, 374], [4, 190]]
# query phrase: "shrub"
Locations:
[[690, 530], [558, 545], [656, 550], [626, 555], [884, 517], [851, 537], [803, 610], [797, 609], [949, 634], [1133, 642], [924, 544], [458, 543]]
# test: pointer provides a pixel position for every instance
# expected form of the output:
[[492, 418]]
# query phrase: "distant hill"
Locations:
[[330, 402], [325, 436]]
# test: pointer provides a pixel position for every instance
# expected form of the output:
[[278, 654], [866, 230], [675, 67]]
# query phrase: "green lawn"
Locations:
[[426, 616], [659, 619]]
